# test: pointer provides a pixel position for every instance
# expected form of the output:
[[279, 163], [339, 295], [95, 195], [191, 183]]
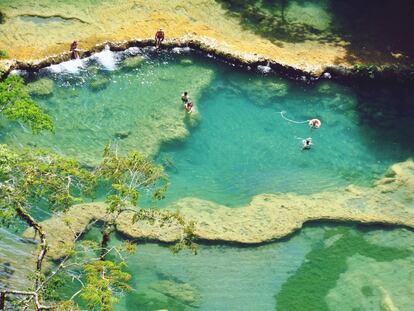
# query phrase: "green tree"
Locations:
[[31, 177], [17, 105]]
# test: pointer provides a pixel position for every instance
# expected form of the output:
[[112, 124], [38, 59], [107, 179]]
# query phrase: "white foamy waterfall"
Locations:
[[106, 58], [72, 66]]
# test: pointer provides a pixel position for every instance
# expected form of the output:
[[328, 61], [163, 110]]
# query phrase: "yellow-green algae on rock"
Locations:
[[41, 87], [267, 217], [34, 29]]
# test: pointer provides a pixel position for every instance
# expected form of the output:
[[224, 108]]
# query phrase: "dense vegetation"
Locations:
[[16, 105], [32, 177]]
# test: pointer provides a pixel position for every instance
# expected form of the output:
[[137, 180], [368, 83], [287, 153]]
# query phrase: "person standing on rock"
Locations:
[[159, 37], [74, 50]]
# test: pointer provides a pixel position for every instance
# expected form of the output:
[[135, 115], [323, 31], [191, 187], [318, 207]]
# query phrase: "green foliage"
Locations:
[[365, 70], [128, 176], [103, 278], [28, 176], [51, 289], [129, 247], [16, 105], [31, 177], [3, 53], [187, 241]]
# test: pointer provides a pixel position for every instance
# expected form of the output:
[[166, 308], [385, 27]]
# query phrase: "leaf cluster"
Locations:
[[129, 176], [103, 279], [30, 176], [17, 105]]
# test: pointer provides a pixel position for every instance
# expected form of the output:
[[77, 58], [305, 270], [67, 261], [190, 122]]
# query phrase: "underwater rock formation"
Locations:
[[133, 62], [99, 83], [183, 292], [267, 217], [41, 87]]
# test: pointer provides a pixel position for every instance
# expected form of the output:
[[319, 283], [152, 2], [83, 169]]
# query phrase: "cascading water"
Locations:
[[106, 58]]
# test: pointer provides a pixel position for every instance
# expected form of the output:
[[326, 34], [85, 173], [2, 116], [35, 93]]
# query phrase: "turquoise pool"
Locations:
[[236, 145]]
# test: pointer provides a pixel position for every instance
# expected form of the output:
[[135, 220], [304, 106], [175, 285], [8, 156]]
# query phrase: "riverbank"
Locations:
[[266, 218], [204, 25]]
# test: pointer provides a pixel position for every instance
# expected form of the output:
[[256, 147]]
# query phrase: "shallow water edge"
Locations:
[[247, 61], [266, 218]]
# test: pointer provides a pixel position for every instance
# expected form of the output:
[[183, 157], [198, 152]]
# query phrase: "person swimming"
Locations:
[[159, 37], [189, 107], [314, 123], [307, 143], [185, 98]]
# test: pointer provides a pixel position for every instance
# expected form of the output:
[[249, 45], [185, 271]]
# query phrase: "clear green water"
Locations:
[[235, 146], [319, 268], [240, 145]]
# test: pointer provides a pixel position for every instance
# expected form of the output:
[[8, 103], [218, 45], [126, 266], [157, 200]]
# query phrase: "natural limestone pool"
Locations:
[[236, 145]]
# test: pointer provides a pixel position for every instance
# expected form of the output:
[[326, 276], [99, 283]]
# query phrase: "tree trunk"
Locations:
[[22, 212], [106, 235], [2, 300]]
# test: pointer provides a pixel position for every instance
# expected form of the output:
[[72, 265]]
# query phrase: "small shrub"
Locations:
[[2, 17], [3, 54]]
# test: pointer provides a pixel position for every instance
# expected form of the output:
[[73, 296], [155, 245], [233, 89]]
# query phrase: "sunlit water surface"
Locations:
[[238, 145]]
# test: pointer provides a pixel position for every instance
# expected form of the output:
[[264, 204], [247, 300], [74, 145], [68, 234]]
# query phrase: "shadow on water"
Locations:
[[277, 20], [327, 261], [374, 29]]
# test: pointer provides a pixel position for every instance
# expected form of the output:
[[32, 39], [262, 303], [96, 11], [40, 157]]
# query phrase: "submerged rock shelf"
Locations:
[[266, 218]]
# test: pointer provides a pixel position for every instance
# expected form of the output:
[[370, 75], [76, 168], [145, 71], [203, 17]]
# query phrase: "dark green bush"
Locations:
[[3, 54], [2, 17]]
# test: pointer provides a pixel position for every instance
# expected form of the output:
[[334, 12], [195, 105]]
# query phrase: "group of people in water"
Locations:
[[188, 105], [313, 124]]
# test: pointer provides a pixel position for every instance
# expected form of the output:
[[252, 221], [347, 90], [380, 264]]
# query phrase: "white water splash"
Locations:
[[106, 58], [132, 51], [18, 72], [178, 50], [72, 66], [264, 69]]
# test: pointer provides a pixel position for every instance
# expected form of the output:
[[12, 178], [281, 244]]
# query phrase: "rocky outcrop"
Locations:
[[41, 87], [204, 25], [267, 217]]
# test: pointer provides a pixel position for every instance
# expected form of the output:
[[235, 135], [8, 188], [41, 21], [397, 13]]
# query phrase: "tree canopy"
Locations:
[[17, 105]]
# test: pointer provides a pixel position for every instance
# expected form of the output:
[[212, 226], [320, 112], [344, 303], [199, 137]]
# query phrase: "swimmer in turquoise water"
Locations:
[[185, 98], [189, 107], [307, 143]]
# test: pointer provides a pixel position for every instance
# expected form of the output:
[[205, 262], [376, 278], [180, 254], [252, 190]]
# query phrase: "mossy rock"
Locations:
[[279, 89], [42, 87], [133, 62], [186, 62], [183, 292], [122, 134], [99, 83]]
